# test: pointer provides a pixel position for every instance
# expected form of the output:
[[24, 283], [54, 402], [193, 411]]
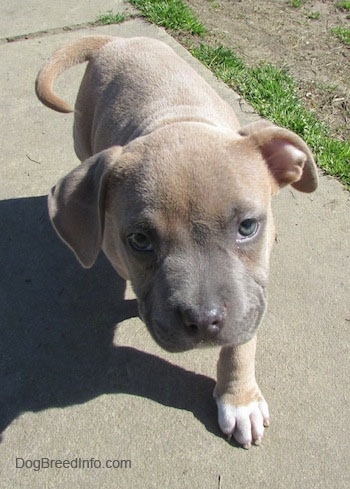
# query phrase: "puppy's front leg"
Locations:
[[242, 410]]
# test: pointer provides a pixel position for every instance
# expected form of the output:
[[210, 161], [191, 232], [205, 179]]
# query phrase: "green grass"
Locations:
[[343, 34], [343, 5], [296, 3], [314, 15], [273, 93], [111, 18], [174, 15]]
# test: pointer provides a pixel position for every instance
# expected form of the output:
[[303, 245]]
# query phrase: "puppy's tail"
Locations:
[[72, 54]]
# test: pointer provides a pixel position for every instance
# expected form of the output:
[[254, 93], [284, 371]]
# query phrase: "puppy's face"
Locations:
[[188, 221], [184, 213]]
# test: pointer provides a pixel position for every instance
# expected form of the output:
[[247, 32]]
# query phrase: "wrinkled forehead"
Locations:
[[205, 180], [199, 180]]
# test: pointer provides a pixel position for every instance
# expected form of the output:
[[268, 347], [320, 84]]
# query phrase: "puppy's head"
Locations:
[[185, 214]]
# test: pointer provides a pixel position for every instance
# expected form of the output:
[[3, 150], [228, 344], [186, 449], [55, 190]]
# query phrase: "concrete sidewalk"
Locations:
[[73, 387]]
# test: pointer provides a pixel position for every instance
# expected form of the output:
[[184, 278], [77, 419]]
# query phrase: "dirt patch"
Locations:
[[298, 39]]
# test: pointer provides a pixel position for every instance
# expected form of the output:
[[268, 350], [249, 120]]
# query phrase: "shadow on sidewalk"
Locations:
[[57, 326]]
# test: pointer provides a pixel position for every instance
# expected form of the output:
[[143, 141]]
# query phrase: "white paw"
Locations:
[[245, 423]]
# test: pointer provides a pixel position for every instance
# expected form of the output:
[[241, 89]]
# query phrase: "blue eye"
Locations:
[[140, 242], [248, 228]]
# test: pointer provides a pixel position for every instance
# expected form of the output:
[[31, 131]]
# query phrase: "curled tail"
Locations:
[[72, 54]]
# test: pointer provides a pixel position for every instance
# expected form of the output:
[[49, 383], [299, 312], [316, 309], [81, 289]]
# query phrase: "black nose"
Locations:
[[204, 322]]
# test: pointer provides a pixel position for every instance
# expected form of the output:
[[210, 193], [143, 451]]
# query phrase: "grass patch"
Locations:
[[273, 93], [173, 15], [343, 5], [314, 15], [343, 34], [215, 3], [111, 18], [296, 3]]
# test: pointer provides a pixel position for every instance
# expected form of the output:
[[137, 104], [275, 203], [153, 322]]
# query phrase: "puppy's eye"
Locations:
[[140, 242], [248, 228]]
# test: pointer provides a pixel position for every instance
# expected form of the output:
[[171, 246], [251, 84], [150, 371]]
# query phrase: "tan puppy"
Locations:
[[178, 197]]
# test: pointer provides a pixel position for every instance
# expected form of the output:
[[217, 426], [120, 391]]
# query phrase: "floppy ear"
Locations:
[[76, 205], [287, 156]]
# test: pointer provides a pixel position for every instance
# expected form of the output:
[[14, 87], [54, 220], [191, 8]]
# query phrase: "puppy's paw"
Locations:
[[244, 423]]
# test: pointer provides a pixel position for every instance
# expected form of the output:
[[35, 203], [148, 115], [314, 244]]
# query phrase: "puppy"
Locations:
[[178, 196]]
